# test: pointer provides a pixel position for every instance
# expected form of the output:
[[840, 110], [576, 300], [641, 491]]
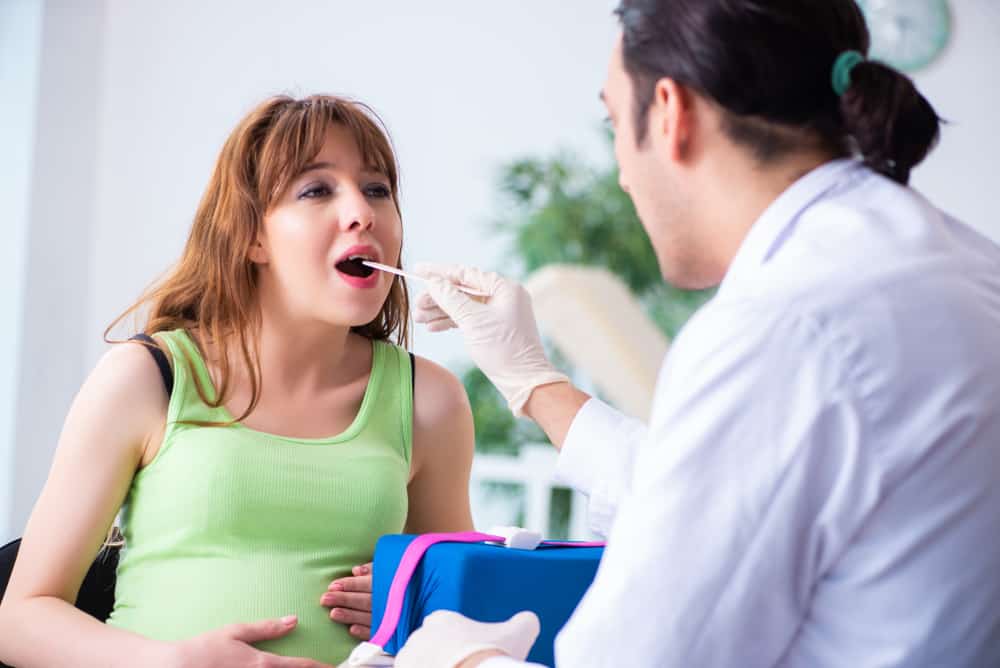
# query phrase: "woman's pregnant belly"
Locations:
[[191, 596]]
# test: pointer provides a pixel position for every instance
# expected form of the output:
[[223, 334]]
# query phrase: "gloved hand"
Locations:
[[499, 330], [446, 638]]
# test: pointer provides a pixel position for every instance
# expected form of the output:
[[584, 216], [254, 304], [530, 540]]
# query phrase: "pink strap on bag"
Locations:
[[411, 559]]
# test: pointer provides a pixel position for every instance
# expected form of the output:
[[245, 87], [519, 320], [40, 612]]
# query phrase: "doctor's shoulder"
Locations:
[[875, 232], [736, 333]]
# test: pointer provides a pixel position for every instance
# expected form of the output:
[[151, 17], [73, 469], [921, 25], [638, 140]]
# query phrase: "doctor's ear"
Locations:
[[671, 116]]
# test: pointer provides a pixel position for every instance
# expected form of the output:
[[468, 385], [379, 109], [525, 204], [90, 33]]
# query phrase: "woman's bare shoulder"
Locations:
[[126, 382], [438, 396]]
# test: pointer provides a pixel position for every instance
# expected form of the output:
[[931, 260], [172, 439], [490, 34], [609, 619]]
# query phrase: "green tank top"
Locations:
[[229, 524]]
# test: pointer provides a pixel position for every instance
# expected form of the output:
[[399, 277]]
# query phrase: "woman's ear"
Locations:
[[257, 253]]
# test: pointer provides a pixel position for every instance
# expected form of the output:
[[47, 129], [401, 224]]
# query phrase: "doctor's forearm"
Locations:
[[553, 407]]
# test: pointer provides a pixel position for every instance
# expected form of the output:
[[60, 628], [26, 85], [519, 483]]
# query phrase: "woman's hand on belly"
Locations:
[[231, 647], [350, 601]]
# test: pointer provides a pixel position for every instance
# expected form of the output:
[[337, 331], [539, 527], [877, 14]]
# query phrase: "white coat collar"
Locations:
[[769, 231]]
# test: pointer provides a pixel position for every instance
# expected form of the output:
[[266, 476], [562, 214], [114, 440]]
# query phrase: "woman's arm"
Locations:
[[113, 418], [116, 420], [443, 444]]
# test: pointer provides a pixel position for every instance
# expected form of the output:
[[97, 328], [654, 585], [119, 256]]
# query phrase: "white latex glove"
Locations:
[[499, 330], [447, 638]]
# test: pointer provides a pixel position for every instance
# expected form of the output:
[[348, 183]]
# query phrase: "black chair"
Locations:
[[97, 592]]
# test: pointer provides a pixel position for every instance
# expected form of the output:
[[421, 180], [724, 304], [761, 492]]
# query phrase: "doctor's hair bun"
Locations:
[[892, 125], [769, 66]]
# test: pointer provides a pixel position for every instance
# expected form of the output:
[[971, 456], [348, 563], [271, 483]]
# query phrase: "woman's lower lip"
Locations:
[[358, 282]]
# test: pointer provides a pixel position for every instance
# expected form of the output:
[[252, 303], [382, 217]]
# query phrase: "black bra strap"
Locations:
[[413, 374], [161, 360]]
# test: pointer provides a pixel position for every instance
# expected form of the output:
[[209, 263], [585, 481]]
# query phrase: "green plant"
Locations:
[[561, 210], [565, 211], [497, 430]]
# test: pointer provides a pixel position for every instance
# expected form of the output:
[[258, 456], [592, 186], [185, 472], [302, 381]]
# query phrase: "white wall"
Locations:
[[136, 97], [20, 51], [57, 250], [462, 86], [961, 175]]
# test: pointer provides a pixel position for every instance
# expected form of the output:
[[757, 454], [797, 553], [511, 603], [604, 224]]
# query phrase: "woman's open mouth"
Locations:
[[353, 267], [356, 274]]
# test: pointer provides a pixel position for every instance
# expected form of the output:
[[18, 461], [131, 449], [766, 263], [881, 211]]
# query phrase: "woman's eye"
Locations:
[[312, 192], [378, 190]]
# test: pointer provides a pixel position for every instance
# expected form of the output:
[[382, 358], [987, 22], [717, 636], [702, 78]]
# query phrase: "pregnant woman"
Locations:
[[266, 432]]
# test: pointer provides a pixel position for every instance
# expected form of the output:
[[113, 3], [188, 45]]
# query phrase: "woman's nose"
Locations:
[[357, 214], [359, 223]]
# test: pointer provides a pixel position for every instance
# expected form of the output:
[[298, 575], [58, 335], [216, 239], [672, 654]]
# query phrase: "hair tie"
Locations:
[[842, 70]]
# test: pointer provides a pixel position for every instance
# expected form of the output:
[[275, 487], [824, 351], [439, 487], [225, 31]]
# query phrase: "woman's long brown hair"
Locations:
[[212, 289]]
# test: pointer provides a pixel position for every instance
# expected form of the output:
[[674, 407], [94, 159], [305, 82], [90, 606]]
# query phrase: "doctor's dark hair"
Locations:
[[768, 64]]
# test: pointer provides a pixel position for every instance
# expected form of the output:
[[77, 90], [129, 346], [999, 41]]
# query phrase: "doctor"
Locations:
[[819, 484]]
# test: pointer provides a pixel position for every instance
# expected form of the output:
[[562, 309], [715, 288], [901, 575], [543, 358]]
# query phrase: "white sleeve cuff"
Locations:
[[596, 459], [590, 436]]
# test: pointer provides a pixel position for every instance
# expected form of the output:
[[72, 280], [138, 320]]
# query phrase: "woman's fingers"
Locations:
[[265, 629], [348, 616], [350, 601], [360, 632], [277, 661], [345, 599], [356, 583]]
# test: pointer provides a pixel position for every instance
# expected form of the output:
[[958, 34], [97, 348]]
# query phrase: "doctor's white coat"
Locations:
[[819, 485]]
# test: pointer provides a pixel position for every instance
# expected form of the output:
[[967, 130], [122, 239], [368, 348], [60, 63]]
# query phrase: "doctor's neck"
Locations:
[[731, 189], [742, 189]]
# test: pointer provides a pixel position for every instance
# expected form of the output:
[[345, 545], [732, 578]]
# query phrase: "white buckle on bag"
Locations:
[[517, 538]]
